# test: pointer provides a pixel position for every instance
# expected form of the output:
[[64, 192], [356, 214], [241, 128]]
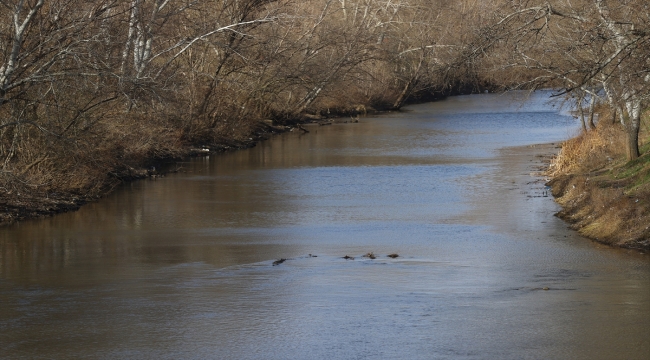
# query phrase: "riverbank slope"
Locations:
[[603, 196]]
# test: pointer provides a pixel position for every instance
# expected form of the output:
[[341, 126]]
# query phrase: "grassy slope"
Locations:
[[608, 201]]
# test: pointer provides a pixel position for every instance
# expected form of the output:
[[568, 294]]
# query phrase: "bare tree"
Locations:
[[581, 45], [44, 44]]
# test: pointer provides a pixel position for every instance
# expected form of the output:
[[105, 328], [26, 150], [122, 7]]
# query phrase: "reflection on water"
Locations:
[[182, 267]]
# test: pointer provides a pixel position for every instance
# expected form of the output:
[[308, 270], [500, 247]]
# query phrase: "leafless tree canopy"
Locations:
[[592, 49], [90, 90]]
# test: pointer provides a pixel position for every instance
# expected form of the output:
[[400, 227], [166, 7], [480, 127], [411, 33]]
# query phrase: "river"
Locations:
[[182, 267]]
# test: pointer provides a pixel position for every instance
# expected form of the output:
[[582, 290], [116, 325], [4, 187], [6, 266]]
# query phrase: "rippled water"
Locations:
[[182, 267]]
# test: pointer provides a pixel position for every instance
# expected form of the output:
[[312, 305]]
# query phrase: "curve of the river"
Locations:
[[183, 267]]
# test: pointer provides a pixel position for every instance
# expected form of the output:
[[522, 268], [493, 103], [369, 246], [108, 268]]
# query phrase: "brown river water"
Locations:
[[182, 267]]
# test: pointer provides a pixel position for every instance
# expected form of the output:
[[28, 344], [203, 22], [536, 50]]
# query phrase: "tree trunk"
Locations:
[[632, 127], [406, 92], [581, 111], [402, 96], [632, 142], [592, 105]]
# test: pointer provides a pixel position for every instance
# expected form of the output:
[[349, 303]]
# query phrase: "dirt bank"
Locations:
[[604, 196], [603, 211]]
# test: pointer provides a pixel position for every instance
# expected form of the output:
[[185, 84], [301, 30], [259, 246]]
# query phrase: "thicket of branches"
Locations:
[[91, 89], [595, 51], [94, 88]]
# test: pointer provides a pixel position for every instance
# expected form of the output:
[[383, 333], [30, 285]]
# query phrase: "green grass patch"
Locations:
[[634, 175], [645, 148], [633, 167]]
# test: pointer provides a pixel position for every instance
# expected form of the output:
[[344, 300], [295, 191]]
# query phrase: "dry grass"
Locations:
[[603, 196], [590, 151]]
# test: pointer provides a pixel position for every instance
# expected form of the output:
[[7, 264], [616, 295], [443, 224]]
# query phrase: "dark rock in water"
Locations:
[[279, 261], [346, 257], [392, 256], [310, 255]]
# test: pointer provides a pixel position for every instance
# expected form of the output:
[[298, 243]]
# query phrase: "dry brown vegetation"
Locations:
[[92, 93], [593, 51], [603, 196], [590, 151]]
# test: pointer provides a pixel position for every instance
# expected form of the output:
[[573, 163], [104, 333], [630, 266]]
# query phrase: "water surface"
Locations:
[[182, 267]]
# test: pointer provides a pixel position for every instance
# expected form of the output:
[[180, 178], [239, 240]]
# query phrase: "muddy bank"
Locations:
[[603, 195], [602, 211], [513, 198], [592, 205]]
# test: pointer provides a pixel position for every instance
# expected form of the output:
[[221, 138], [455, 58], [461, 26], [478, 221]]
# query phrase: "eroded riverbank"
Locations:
[[604, 196], [603, 213]]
